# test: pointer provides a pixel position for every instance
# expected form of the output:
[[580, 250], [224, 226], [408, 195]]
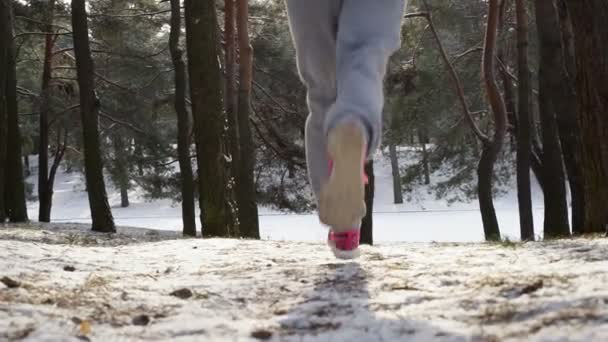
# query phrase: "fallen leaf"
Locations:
[[182, 293], [10, 283], [532, 287], [261, 334], [141, 320], [85, 327]]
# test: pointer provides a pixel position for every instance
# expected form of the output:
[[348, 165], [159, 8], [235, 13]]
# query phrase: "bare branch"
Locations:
[[42, 23], [120, 122], [467, 52], [265, 92], [459, 89], [24, 34], [138, 15]]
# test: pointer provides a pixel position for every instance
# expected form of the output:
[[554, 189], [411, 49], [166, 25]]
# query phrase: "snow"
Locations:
[[294, 291], [423, 219]]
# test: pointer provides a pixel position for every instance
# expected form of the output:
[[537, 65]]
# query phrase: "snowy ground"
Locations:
[[65, 283], [422, 219]]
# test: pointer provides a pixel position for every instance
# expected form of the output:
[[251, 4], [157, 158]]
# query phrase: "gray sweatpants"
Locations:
[[342, 49]]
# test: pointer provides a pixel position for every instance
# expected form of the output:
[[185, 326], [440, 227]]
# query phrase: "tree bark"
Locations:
[[556, 210], [14, 198], [397, 192], [524, 145], [4, 41], [59, 153], [44, 191], [591, 48], [566, 111], [230, 84], [556, 90], [121, 170], [183, 124], [425, 164], [492, 148], [245, 185], [367, 222], [209, 118], [89, 111], [26, 165]]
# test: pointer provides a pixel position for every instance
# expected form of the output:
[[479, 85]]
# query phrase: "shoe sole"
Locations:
[[341, 201]]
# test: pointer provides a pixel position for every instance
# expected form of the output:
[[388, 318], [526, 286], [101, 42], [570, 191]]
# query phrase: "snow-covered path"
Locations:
[[71, 285]]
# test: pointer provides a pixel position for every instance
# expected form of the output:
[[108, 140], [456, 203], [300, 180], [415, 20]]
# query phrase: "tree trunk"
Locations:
[[491, 149], [556, 209], [591, 47], [367, 222], [230, 84], [14, 198], [183, 124], [524, 145], [89, 111], [121, 175], [209, 118], [505, 78], [567, 121], [567, 37], [425, 164], [557, 88], [245, 186], [59, 153], [5, 32], [397, 192], [26, 166], [44, 192]]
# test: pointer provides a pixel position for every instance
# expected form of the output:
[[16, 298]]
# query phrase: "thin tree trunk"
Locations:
[[207, 111], [44, 192], [183, 124], [591, 47], [505, 78], [89, 111], [121, 168], [245, 186], [15, 184], [558, 90], [524, 145], [59, 153], [491, 149], [26, 165], [397, 192], [425, 164], [367, 222]]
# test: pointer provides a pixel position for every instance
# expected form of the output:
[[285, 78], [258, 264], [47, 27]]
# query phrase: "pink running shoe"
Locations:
[[344, 245], [341, 201]]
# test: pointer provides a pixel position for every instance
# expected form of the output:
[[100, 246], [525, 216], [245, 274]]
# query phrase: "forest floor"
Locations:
[[63, 283]]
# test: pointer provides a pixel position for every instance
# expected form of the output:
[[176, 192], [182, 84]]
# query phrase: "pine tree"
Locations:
[[245, 187], [89, 111], [183, 123], [209, 117], [591, 48], [14, 186]]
